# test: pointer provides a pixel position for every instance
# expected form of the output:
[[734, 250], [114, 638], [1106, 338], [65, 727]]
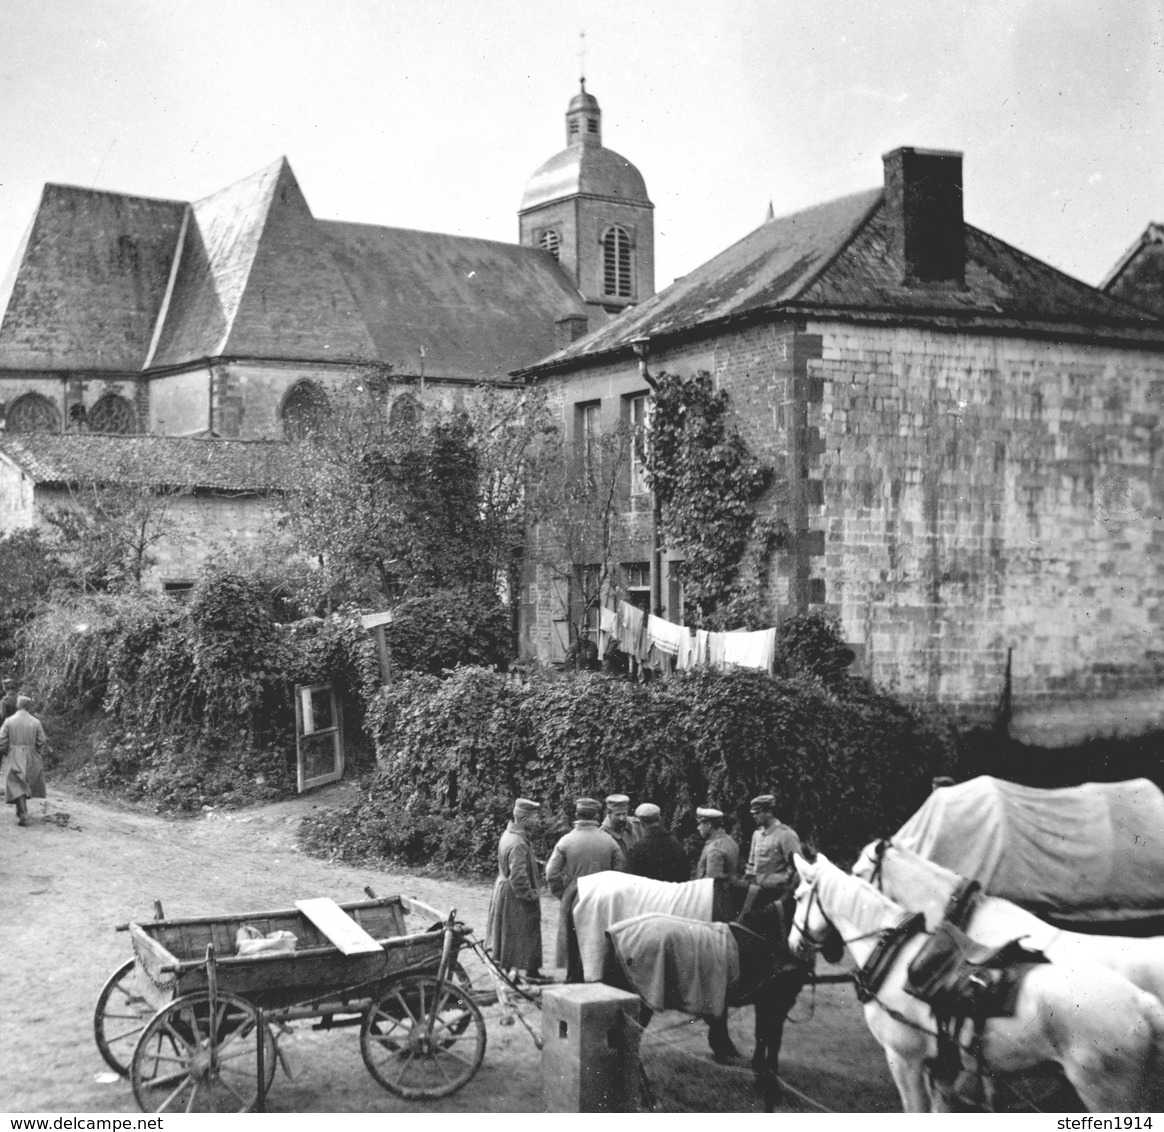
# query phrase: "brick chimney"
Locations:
[[569, 329], [923, 193]]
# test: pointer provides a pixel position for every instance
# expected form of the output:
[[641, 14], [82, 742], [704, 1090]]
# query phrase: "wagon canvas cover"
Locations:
[[1090, 853]]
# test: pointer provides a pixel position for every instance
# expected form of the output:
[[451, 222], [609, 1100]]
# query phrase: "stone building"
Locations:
[[233, 315], [237, 316], [218, 495], [966, 444]]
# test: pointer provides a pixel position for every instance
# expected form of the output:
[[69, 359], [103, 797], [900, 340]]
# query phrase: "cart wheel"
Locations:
[[409, 1060], [185, 1062], [120, 1016]]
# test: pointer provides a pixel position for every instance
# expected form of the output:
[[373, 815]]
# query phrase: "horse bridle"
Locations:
[[813, 945], [809, 945]]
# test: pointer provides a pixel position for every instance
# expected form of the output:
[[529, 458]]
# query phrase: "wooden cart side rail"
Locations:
[[280, 913], [430, 941]]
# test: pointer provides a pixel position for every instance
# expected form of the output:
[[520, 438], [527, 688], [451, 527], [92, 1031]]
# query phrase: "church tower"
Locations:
[[588, 206]]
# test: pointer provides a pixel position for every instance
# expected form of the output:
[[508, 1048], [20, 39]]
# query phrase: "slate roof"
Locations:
[[227, 466], [1138, 276], [109, 282], [837, 260]]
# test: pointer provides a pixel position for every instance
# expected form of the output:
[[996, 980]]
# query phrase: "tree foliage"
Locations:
[[389, 511], [107, 535], [581, 509], [706, 484], [29, 572]]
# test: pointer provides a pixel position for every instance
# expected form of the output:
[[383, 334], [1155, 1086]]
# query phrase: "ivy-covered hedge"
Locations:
[[453, 754], [197, 699]]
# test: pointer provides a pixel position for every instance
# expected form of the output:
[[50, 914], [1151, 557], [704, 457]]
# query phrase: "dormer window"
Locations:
[[616, 263], [549, 241]]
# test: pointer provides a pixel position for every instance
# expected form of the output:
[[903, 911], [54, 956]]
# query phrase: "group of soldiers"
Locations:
[[638, 843]]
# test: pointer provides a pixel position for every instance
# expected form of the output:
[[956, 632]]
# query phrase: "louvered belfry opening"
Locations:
[[616, 263]]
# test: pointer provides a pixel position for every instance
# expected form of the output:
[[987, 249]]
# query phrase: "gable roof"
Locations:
[[472, 304], [90, 280], [228, 466], [106, 282], [1138, 276], [838, 260]]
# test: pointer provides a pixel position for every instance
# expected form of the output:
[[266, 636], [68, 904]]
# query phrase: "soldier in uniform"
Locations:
[[721, 854], [626, 830], [770, 859], [584, 850], [659, 855], [514, 925]]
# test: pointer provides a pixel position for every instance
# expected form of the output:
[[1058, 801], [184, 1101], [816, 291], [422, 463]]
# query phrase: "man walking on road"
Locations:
[[514, 925], [22, 739]]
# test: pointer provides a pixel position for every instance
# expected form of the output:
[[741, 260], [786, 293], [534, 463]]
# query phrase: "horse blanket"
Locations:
[[677, 964], [608, 897], [1091, 853]]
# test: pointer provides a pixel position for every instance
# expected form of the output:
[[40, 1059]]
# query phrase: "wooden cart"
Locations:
[[190, 1021]]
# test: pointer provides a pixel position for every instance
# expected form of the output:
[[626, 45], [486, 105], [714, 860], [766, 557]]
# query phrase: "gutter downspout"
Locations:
[[642, 347]]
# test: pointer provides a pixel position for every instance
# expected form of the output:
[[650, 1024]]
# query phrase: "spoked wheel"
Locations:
[[413, 1059], [119, 1018], [187, 1061]]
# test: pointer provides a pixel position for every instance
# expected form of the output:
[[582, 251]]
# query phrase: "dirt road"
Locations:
[[82, 867]]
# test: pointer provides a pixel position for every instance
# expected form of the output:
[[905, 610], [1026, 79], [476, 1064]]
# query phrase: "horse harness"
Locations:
[[959, 979]]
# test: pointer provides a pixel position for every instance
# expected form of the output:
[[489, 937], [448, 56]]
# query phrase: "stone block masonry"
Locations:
[[982, 494], [951, 497]]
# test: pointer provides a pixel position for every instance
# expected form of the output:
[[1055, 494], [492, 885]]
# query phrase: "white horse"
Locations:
[[1106, 1034], [920, 885]]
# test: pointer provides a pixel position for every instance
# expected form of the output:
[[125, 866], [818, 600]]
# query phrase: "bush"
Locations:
[[454, 753], [462, 626], [200, 698]]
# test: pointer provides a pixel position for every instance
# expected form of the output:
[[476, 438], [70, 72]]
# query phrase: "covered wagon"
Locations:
[[1087, 857]]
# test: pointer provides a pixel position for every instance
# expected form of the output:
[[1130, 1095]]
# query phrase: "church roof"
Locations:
[[110, 282], [235, 466], [838, 259], [587, 170]]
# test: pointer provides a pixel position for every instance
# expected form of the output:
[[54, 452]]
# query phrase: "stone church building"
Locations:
[[968, 449], [231, 318]]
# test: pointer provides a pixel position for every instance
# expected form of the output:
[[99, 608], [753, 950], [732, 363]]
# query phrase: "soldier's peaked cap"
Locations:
[[764, 802]]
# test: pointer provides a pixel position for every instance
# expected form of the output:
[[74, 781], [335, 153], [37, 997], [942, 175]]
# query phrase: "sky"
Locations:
[[434, 115]]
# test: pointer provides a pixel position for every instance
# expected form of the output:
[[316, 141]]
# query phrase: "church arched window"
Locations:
[[303, 410], [616, 263], [550, 242], [112, 413], [405, 412], [33, 413]]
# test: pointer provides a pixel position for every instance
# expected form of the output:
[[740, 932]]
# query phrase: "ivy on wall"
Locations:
[[706, 484]]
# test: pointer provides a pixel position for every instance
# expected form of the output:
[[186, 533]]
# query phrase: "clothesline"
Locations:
[[649, 639]]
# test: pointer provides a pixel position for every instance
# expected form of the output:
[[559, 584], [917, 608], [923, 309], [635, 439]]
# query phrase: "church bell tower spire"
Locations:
[[583, 118]]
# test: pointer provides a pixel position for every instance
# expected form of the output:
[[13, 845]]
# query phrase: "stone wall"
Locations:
[[981, 494], [199, 526], [951, 497]]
